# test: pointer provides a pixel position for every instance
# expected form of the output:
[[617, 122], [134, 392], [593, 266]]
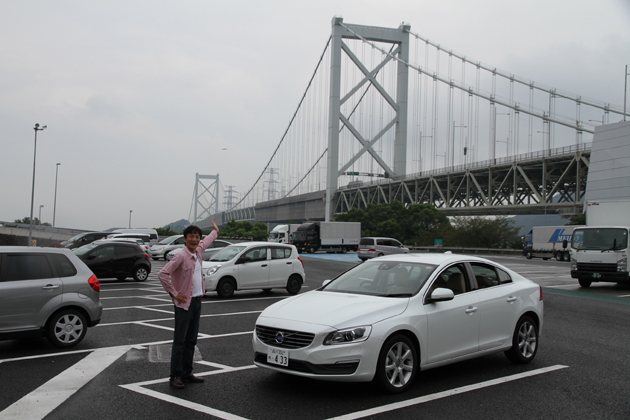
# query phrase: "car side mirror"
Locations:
[[243, 260], [441, 295], [564, 243]]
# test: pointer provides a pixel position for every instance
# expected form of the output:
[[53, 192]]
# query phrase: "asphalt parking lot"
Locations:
[[121, 368]]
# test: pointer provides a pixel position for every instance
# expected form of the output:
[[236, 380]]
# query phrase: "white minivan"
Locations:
[[153, 235]]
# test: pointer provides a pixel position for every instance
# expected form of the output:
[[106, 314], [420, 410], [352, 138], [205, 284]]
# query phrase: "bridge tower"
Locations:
[[206, 197], [400, 38]]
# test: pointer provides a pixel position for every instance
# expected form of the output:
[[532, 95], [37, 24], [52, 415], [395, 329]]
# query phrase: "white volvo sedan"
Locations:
[[387, 318]]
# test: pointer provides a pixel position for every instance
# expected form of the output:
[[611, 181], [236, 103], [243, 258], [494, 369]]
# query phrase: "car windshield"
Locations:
[[227, 253], [168, 240], [273, 235], [84, 249], [75, 237], [599, 239], [387, 278]]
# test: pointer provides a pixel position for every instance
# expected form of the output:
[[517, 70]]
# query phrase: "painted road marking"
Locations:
[[39, 403], [139, 388], [448, 393]]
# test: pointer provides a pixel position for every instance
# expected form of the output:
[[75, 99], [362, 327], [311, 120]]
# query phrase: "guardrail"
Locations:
[[456, 249]]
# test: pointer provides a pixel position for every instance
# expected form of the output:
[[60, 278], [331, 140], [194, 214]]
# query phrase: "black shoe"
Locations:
[[176, 383], [192, 379]]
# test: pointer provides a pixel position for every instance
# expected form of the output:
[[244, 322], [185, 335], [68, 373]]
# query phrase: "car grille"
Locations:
[[599, 267], [285, 339], [300, 366]]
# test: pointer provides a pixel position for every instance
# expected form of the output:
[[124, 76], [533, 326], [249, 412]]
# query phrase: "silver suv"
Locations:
[[377, 247], [49, 292]]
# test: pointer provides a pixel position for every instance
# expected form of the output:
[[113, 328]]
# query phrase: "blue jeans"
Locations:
[[185, 338]]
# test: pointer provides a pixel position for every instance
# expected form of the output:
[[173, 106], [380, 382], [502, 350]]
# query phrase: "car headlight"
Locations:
[[350, 335], [159, 249], [213, 270], [621, 264]]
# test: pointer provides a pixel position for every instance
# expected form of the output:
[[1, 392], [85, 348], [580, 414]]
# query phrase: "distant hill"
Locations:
[[527, 221], [177, 226]]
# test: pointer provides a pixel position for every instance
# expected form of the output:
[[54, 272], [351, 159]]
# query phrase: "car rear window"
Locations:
[[28, 267], [64, 267], [366, 241], [280, 253]]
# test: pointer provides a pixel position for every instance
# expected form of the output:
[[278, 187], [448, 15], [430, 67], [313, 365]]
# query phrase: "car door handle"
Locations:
[[50, 287], [264, 265], [471, 309], [511, 299], [289, 262]]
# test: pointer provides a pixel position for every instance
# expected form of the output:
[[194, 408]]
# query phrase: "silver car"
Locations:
[[372, 247], [47, 292]]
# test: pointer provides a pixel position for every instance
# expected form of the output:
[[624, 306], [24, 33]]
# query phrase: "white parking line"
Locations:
[[207, 302], [39, 403], [171, 318], [448, 393]]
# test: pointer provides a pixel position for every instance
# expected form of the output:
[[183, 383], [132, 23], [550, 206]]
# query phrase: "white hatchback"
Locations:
[[254, 265], [388, 318]]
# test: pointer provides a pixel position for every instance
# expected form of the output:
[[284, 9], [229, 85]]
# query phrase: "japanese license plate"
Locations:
[[278, 356]]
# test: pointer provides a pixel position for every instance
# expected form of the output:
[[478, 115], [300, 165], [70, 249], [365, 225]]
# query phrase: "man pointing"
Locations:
[[183, 279]]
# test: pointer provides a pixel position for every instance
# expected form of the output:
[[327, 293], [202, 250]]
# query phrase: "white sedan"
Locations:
[[387, 318]]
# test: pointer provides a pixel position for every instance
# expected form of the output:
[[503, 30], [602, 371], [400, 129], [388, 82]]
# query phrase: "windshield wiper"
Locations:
[[399, 295]]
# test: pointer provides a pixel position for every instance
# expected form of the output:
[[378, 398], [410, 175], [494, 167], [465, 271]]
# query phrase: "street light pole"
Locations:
[[30, 229], [40, 214], [130, 218], [55, 204]]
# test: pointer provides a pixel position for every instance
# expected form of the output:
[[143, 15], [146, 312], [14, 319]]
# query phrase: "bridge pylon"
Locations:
[[206, 197], [400, 38]]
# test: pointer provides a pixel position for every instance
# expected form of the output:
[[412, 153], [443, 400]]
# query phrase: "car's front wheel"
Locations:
[[294, 284], [396, 366], [140, 273], [225, 288], [524, 341], [66, 328], [528, 255]]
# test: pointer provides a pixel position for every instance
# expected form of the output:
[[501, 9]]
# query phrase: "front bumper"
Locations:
[[345, 362], [595, 276]]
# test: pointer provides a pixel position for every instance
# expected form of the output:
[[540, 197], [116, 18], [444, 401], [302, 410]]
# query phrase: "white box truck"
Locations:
[[282, 233], [599, 250], [548, 242]]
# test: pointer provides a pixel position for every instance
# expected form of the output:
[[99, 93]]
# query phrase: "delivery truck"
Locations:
[[599, 250], [327, 236], [548, 242], [282, 233]]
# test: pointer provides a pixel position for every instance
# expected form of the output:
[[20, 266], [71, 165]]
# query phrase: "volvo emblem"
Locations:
[[279, 337]]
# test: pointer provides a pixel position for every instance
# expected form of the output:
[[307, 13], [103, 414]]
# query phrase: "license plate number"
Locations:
[[278, 356]]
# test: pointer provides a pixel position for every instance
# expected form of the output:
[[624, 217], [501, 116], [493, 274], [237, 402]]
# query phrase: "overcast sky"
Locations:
[[138, 96]]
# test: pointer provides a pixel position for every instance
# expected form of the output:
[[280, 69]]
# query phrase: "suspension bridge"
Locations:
[[391, 115]]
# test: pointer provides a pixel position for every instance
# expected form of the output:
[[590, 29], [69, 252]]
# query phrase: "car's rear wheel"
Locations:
[[396, 366], [524, 341], [380, 254], [140, 273], [311, 250], [225, 288], [584, 283], [66, 328], [294, 284]]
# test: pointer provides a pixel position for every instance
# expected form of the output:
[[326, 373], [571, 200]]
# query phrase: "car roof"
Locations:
[[377, 237], [260, 243], [431, 258], [34, 249]]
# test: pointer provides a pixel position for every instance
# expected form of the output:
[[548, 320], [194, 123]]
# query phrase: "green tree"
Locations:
[[580, 219], [165, 231], [258, 231], [482, 232], [27, 221]]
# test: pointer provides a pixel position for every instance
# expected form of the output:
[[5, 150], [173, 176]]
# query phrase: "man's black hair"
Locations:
[[192, 229]]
